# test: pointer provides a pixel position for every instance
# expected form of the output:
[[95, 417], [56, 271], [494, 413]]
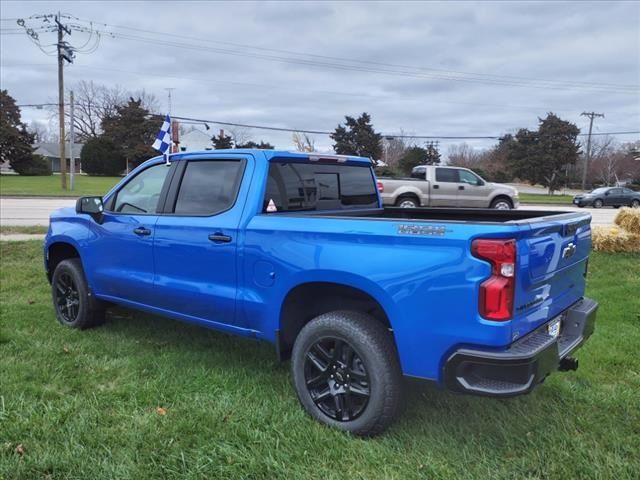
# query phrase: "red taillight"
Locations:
[[380, 187], [496, 293]]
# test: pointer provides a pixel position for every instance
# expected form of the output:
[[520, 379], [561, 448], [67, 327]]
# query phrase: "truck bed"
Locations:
[[475, 215]]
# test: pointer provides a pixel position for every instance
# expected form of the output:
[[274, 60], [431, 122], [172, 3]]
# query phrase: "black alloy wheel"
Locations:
[[67, 298], [336, 379], [74, 303], [346, 372]]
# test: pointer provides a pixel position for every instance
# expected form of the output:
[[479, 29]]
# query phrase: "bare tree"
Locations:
[[611, 163], [462, 155], [93, 102], [303, 142], [40, 132], [394, 149], [240, 135]]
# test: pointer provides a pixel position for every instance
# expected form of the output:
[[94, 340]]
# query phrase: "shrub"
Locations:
[[386, 171], [32, 166], [101, 156]]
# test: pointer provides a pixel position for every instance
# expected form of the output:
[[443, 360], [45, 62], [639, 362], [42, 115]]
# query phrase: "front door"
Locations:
[[472, 191], [196, 241], [123, 264]]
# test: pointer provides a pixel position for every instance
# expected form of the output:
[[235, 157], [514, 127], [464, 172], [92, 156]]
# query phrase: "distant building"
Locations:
[[195, 140], [51, 151]]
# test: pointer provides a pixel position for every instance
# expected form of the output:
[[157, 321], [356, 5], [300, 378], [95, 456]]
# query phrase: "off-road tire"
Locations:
[[374, 347], [89, 311]]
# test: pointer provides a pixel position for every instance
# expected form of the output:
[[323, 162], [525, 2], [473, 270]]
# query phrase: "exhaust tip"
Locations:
[[568, 364]]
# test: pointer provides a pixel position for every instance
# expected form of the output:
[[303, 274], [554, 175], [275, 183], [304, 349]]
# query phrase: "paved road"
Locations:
[[35, 211], [30, 211], [599, 216]]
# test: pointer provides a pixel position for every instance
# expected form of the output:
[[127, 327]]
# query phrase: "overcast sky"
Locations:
[[450, 69]]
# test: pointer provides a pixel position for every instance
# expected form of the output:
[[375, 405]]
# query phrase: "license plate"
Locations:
[[575, 201], [553, 329]]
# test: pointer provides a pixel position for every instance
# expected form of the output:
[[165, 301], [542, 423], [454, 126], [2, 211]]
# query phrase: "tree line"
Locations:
[[118, 127]]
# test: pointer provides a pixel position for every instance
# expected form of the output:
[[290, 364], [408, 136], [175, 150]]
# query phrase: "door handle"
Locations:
[[142, 231], [436, 186], [460, 187], [219, 238]]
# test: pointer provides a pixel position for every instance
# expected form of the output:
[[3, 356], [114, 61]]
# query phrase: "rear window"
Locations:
[[308, 186], [447, 175]]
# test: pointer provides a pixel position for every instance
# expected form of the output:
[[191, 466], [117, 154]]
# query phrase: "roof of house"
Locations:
[[50, 149]]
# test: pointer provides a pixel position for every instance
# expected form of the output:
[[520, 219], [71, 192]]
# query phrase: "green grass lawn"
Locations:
[[83, 404], [50, 185], [543, 198], [31, 229]]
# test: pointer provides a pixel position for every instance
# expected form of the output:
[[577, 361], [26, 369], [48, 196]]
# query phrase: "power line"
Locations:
[[429, 72], [363, 66], [326, 132]]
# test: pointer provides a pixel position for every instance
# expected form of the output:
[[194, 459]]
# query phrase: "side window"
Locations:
[[447, 175], [468, 177], [142, 192], [419, 173], [208, 187]]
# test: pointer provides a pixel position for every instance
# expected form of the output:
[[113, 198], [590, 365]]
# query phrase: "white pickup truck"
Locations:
[[435, 186]]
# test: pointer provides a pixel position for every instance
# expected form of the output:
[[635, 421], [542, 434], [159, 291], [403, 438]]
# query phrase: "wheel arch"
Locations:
[[501, 196], [307, 300], [57, 251]]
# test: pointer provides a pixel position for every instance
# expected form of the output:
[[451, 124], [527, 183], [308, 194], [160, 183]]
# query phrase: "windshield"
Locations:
[[599, 190]]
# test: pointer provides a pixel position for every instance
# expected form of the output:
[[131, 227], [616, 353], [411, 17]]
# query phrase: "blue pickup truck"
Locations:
[[296, 249]]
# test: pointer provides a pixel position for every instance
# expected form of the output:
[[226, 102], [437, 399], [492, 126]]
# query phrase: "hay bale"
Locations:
[[614, 239], [629, 219]]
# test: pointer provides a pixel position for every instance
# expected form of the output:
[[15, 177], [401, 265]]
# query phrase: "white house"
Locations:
[[195, 140]]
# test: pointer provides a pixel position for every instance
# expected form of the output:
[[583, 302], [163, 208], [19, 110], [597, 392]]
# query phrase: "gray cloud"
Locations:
[[570, 41]]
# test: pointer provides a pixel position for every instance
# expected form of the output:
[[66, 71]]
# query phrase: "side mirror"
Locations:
[[479, 183], [606, 194], [91, 206]]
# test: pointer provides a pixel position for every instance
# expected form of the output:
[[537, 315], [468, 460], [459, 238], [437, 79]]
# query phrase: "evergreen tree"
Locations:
[[357, 137], [432, 154], [251, 144], [222, 141], [413, 156], [543, 156], [15, 140], [132, 131]]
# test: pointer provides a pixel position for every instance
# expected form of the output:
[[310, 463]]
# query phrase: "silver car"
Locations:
[[435, 186]]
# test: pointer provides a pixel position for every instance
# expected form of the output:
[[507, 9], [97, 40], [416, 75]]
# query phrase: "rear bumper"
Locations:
[[526, 362]]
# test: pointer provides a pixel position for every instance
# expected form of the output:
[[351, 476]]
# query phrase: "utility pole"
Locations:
[[591, 116], [72, 141], [63, 158], [52, 23]]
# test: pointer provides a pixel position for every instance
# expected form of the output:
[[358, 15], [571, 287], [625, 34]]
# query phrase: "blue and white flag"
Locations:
[[163, 139]]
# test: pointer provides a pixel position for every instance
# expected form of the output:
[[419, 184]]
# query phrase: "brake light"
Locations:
[[497, 292], [380, 187]]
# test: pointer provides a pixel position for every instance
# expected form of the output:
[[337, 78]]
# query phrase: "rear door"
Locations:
[[444, 189], [196, 240], [552, 263]]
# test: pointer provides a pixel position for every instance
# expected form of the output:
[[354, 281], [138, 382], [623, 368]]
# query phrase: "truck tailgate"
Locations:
[[552, 259]]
